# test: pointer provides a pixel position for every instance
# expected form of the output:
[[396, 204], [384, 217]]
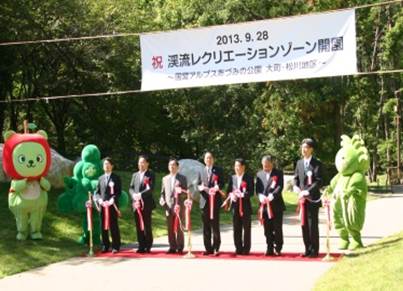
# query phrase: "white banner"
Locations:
[[310, 46]]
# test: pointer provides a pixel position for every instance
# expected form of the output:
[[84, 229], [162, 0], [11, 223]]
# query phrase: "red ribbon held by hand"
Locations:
[[212, 192], [105, 205], [301, 210], [138, 205], [243, 189]]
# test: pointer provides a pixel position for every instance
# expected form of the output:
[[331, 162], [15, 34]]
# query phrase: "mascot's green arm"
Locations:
[[18, 185], [45, 184], [356, 185], [330, 189]]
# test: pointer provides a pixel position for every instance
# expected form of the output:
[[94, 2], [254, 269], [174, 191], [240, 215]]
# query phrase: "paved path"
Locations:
[[383, 218]]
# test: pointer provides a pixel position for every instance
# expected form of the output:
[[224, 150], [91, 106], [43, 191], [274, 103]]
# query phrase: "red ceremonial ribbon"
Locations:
[[89, 218], [301, 210], [261, 214], [243, 187], [106, 217], [138, 206], [211, 199], [177, 210], [146, 181], [268, 203], [269, 210]]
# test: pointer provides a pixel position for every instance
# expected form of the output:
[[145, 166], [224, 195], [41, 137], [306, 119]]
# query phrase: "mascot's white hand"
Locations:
[[270, 197], [305, 193], [100, 201], [111, 201], [262, 198]]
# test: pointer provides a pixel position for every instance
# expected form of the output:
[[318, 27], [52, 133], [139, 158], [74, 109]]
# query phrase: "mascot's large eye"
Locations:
[[22, 159], [39, 158]]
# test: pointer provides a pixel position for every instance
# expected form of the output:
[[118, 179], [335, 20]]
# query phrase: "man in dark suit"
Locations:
[[107, 196], [241, 189], [211, 182], [307, 183], [173, 194], [269, 187], [141, 190]]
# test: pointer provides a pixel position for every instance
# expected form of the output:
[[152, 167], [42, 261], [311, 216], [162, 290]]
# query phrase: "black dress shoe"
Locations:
[[171, 251], [180, 251], [141, 251], [148, 251], [104, 250], [277, 253], [245, 253], [304, 255], [238, 252], [216, 253], [269, 253], [314, 255], [207, 253]]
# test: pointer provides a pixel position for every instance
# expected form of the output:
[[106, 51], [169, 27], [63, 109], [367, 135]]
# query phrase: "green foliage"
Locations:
[[237, 120]]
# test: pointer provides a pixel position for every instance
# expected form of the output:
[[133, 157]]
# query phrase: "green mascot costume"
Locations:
[[85, 179], [348, 190], [26, 159]]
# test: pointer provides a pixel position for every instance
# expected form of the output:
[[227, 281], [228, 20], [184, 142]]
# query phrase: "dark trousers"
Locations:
[[145, 238], [211, 226], [273, 230], [176, 240], [242, 224], [310, 229], [113, 227]]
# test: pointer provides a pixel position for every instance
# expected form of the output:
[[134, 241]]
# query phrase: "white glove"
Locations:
[[188, 203], [212, 191], [305, 193], [216, 187], [233, 197], [201, 188], [137, 196], [270, 197], [241, 194], [296, 189], [100, 201], [262, 198], [162, 201], [111, 201]]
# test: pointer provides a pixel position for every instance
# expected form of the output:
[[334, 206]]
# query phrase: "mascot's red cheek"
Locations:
[[12, 142]]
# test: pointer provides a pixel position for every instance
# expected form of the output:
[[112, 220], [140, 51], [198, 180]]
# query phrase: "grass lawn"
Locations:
[[377, 267]]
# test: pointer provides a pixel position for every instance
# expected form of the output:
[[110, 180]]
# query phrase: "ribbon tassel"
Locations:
[[106, 217]]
